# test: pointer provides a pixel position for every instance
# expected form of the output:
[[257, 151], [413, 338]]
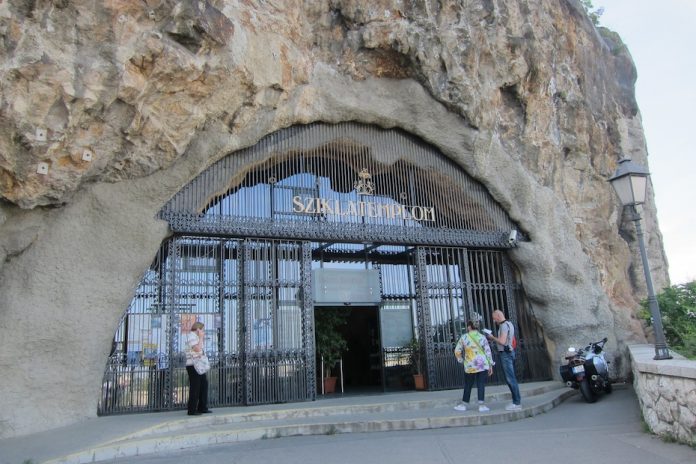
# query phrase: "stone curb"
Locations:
[[132, 446]]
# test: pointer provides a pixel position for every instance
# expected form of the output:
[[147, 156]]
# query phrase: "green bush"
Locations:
[[678, 308]]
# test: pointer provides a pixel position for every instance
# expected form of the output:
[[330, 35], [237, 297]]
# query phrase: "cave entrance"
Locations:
[[252, 233]]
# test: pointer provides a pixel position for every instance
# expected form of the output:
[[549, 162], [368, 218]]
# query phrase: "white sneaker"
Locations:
[[484, 408], [513, 407], [460, 407]]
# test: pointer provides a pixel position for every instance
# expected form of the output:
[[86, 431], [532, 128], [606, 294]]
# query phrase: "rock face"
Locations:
[[123, 102]]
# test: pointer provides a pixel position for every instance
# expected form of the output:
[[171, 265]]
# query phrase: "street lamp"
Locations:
[[631, 184]]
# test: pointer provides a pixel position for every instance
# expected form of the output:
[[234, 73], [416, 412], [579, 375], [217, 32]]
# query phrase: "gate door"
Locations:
[[250, 294], [454, 285], [278, 338]]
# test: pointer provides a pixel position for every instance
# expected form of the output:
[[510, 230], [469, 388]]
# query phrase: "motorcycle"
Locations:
[[587, 370]]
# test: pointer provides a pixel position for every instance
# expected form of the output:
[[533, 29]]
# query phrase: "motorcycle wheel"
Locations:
[[608, 388], [586, 391]]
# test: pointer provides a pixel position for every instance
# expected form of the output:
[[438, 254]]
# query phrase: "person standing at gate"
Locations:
[[474, 352], [198, 383], [506, 351]]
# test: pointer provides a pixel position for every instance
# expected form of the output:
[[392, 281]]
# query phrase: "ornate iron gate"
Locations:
[[250, 294], [455, 285], [248, 230], [253, 295], [278, 343]]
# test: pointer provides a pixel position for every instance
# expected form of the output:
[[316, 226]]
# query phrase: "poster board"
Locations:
[[150, 354]]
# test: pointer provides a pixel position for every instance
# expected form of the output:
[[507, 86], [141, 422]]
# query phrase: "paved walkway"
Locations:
[[127, 436], [609, 431]]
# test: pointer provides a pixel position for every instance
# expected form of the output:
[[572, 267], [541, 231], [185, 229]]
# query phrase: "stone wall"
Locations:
[[126, 101], [666, 392]]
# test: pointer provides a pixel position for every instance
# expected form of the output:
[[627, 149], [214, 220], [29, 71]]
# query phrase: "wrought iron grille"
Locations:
[[458, 284], [344, 182], [275, 351], [250, 295], [310, 196]]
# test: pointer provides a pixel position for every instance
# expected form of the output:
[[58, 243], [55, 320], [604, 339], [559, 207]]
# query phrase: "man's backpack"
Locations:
[[513, 342]]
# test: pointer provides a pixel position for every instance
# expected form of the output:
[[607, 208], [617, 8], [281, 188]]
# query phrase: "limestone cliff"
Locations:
[[109, 108]]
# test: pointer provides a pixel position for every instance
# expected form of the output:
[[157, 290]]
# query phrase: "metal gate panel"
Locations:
[[276, 366], [254, 298], [259, 333], [457, 284], [194, 295]]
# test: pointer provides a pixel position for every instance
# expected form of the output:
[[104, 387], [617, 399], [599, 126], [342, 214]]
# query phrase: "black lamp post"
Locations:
[[631, 184]]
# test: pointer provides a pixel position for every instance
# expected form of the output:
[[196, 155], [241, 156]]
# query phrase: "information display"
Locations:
[[397, 324], [346, 287]]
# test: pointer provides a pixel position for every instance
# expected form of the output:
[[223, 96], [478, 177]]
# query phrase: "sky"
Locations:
[[660, 36]]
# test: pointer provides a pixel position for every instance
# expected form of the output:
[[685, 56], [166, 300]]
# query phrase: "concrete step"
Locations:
[[374, 404], [378, 413]]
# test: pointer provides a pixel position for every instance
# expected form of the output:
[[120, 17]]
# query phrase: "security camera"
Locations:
[[512, 238]]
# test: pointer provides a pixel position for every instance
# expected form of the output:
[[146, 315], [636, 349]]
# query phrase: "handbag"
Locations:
[[201, 364]]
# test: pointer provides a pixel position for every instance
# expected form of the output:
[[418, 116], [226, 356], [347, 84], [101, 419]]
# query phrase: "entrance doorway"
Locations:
[[362, 362]]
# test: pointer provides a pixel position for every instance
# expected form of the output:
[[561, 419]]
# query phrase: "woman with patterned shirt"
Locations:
[[477, 360]]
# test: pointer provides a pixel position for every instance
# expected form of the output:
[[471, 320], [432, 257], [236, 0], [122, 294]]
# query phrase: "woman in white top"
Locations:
[[198, 383]]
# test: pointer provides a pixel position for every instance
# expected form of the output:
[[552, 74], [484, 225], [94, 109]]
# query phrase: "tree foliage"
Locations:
[[593, 13], [678, 308], [415, 357], [330, 343]]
